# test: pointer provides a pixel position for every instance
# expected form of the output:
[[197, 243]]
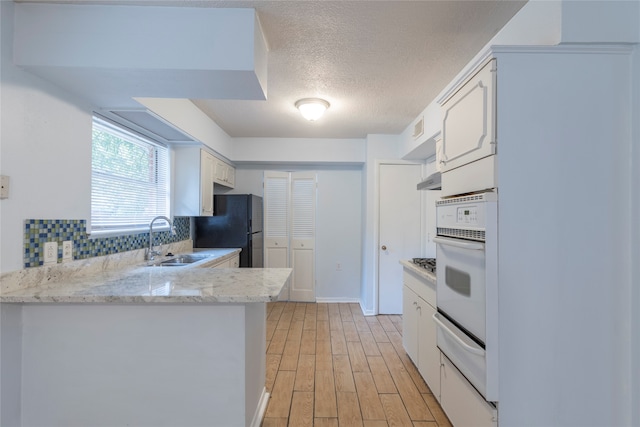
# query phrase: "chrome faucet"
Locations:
[[151, 253]]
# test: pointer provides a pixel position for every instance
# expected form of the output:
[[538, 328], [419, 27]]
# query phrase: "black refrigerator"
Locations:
[[236, 223]]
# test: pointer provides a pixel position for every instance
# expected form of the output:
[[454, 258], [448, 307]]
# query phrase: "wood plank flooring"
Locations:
[[330, 366]]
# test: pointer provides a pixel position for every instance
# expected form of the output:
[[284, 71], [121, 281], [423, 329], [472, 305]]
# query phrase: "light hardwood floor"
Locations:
[[329, 365]]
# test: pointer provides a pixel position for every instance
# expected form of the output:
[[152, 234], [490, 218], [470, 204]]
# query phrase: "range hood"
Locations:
[[432, 182]]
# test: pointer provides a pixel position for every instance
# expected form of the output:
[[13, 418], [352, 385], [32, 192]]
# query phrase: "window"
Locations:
[[129, 180]]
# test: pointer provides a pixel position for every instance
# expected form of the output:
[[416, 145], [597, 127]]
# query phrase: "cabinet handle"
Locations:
[[384, 248], [415, 303]]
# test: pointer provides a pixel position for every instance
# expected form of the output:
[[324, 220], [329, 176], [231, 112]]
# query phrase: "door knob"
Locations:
[[384, 248]]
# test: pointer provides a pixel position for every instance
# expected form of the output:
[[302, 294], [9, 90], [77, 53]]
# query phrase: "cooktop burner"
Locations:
[[426, 263]]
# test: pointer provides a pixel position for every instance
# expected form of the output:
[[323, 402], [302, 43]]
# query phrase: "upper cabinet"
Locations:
[[225, 174], [193, 182], [469, 120], [196, 172]]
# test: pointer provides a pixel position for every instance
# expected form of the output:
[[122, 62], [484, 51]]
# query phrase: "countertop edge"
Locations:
[[419, 271]]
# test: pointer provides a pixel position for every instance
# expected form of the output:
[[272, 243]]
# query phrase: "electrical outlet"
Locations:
[[67, 250], [4, 187], [50, 252]]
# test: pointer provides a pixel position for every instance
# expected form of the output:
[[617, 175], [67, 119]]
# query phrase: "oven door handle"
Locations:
[[464, 244], [455, 336]]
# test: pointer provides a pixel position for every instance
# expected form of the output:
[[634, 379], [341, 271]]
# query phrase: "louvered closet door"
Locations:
[[276, 219], [303, 236]]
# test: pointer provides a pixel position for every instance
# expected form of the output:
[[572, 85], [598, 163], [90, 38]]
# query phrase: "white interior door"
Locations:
[[400, 231], [276, 222], [289, 229], [303, 236]]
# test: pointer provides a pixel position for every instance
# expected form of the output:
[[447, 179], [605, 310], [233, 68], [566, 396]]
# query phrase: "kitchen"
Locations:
[[36, 111]]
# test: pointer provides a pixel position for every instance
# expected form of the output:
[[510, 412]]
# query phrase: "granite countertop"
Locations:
[[148, 284], [419, 270]]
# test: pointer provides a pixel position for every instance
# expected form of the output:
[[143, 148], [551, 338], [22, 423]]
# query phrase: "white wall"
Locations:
[[338, 224], [564, 246], [339, 236], [635, 232], [379, 147], [46, 151], [183, 114], [299, 150]]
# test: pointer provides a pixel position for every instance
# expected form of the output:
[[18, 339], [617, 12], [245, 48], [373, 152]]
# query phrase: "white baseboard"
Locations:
[[261, 409], [367, 312], [337, 300]]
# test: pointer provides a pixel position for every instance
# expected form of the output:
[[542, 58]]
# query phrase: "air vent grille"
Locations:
[[418, 128], [478, 235], [488, 196]]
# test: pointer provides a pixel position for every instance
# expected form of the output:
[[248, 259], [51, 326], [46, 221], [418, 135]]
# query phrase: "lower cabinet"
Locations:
[[464, 406], [228, 263], [419, 330]]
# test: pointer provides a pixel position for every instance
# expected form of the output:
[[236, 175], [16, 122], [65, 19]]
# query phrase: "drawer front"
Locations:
[[461, 402], [468, 356], [426, 289]]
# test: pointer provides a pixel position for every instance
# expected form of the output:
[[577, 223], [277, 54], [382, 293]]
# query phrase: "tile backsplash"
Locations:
[[39, 231]]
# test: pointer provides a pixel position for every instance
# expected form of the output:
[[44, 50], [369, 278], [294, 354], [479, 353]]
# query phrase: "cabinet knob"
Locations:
[[384, 248]]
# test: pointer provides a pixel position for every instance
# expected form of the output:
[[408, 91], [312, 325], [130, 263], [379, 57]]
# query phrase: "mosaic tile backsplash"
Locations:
[[39, 231]]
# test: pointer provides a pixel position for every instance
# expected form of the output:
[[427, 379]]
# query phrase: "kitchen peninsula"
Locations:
[[143, 346]]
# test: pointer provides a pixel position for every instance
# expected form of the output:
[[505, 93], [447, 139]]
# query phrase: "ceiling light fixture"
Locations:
[[312, 108]]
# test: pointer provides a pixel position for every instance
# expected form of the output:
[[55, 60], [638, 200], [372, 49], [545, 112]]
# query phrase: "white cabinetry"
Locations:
[[418, 328], [468, 124], [233, 262], [194, 175], [225, 174], [196, 171], [461, 402], [469, 135]]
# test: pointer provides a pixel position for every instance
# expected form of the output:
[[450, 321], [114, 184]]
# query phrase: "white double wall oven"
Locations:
[[467, 321], [467, 251]]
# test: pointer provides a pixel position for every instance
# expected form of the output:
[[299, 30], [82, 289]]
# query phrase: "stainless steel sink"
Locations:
[[182, 260]]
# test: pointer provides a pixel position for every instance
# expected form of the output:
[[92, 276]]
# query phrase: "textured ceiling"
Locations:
[[379, 63]]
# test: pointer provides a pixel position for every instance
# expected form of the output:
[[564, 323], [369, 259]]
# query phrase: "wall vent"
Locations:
[[418, 128]]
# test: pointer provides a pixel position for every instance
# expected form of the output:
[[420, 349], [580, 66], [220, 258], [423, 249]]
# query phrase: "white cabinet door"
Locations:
[[428, 353], [410, 324], [225, 174], [207, 167], [193, 182], [418, 329], [468, 127]]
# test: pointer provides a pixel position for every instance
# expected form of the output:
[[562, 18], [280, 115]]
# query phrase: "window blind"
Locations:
[[129, 179]]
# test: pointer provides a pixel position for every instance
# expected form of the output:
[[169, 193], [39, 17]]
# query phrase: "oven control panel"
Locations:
[[466, 212], [467, 215]]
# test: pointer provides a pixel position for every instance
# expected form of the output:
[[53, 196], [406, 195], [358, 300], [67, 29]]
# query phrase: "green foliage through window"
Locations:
[[130, 183]]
